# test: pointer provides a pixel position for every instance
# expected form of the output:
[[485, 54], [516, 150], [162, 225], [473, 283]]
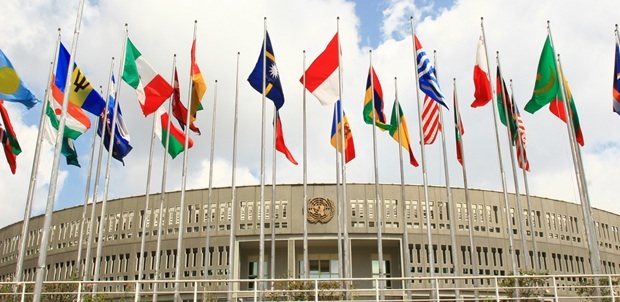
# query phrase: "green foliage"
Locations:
[[531, 284], [290, 289], [586, 288]]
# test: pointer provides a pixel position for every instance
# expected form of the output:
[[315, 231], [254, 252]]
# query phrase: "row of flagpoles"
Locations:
[[70, 94]]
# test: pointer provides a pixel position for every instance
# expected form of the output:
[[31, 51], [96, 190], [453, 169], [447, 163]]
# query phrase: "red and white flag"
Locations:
[[321, 78], [482, 84], [430, 120]]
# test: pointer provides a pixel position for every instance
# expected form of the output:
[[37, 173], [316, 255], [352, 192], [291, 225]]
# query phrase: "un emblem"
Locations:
[[320, 210]]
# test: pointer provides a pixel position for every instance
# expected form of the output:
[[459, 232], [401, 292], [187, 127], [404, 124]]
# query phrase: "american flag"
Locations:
[[521, 141], [430, 120]]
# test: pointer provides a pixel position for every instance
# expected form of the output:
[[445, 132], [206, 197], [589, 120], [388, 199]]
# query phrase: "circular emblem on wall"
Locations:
[[320, 210]]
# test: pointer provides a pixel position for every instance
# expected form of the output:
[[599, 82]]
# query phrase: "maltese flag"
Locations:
[[321, 78]]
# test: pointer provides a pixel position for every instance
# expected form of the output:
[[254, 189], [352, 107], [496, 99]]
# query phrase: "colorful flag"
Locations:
[[547, 85], [76, 122], [616, 88], [400, 132], [82, 93], [12, 89], [482, 84], [430, 120], [557, 108], [151, 88], [521, 142], [178, 109], [8, 138], [199, 87], [322, 77], [504, 106], [121, 146], [273, 87], [459, 130], [68, 150], [375, 113], [426, 74], [165, 130], [336, 140], [280, 145]]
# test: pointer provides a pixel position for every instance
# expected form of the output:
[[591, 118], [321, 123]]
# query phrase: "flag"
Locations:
[[273, 87], [430, 120], [504, 106], [616, 88], [482, 84], [336, 140], [12, 89], [8, 138], [280, 145], [522, 138], [68, 150], [400, 132], [547, 85], [151, 88], [426, 74], [76, 122], [121, 146], [375, 113], [459, 130], [82, 93], [557, 108], [322, 77], [178, 109], [199, 87], [167, 131]]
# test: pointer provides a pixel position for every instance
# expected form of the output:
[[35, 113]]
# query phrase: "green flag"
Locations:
[[547, 83]]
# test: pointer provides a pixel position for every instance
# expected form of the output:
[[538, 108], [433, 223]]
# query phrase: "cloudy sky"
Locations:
[[517, 29]]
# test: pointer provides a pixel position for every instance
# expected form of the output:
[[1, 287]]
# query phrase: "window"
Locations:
[[386, 272], [253, 272], [321, 269], [353, 207], [241, 211], [284, 208]]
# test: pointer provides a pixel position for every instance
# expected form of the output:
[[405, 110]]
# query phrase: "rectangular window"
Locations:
[[408, 208], [360, 206], [371, 206], [353, 206], [386, 272], [242, 211], [388, 206], [284, 209]]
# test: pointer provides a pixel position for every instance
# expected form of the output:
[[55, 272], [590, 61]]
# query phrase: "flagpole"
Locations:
[[261, 248], [405, 252], [273, 199], [51, 196], [339, 202], [470, 225], [522, 159], [519, 208], [305, 173], [429, 251], [344, 203], [503, 174], [33, 174], [378, 200], [233, 187], [455, 263], [162, 196], [209, 195], [90, 171]]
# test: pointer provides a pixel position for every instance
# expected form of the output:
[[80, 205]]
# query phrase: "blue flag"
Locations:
[[121, 136], [273, 88], [426, 74], [12, 88]]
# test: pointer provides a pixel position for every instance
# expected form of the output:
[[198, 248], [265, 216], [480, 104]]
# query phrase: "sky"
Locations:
[[162, 28]]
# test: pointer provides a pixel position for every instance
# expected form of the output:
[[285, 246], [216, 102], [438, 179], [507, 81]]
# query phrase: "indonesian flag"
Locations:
[[165, 130], [483, 93], [321, 78], [151, 87]]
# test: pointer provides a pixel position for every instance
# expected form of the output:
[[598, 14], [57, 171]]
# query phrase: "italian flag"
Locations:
[[165, 130], [151, 87]]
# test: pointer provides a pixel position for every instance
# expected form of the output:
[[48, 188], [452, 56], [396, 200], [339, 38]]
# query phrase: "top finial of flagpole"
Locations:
[[265, 18], [195, 21], [175, 55], [370, 51], [238, 52], [338, 18], [216, 81], [304, 51], [548, 24], [410, 17]]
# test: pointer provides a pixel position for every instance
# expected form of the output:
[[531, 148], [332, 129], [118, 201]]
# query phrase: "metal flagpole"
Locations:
[[162, 196], [106, 187], [233, 187], [455, 263], [470, 225], [503, 174], [339, 202], [378, 201], [406, 253], [51, 196], [345, 202], [273, 201], [261, 247], [177, 276], [305, 176], [535, 264], [429, 250], [33, 175], [519, 208], [209, 195]]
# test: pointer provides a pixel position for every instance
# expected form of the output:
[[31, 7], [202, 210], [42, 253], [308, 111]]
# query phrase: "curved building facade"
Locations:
[[558, 230]]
